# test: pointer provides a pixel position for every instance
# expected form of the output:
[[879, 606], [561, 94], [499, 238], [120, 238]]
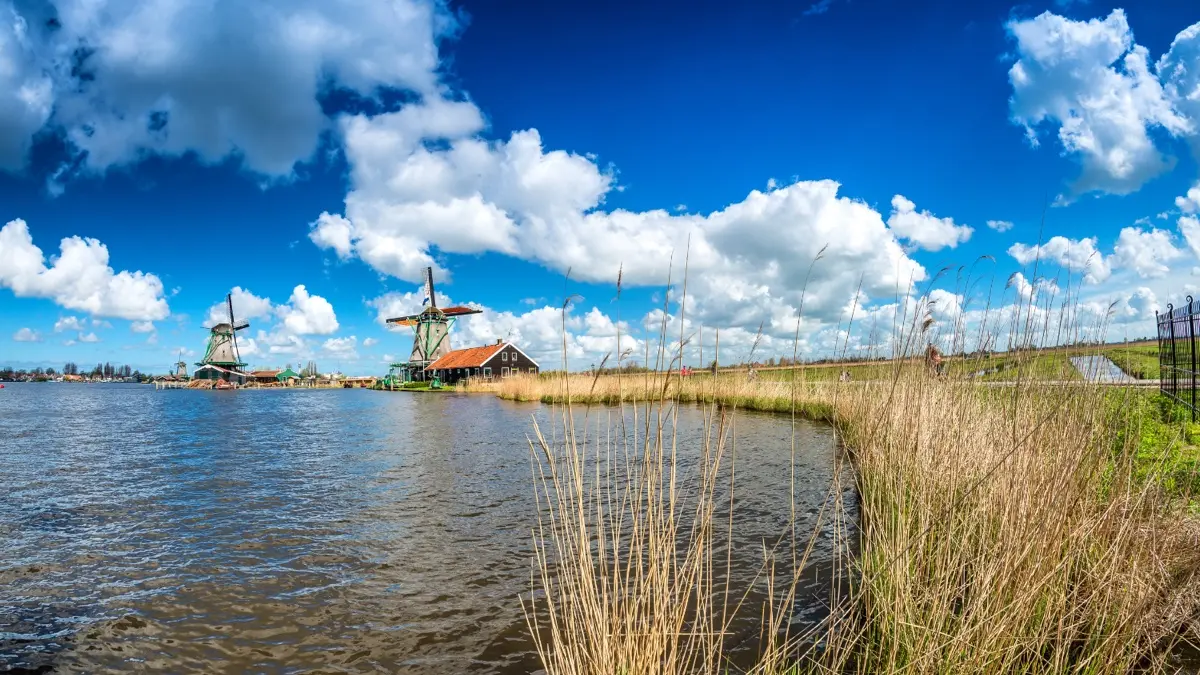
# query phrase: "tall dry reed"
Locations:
[[1001, 528]]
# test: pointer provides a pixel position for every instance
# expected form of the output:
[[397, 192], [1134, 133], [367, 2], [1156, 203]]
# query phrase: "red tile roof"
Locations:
[[472, 357], [265, 373]]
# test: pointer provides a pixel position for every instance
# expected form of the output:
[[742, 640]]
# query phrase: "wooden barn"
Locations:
[[489, 362]]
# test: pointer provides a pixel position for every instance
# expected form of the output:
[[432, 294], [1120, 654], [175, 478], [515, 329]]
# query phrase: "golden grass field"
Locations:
[[1029, 528]]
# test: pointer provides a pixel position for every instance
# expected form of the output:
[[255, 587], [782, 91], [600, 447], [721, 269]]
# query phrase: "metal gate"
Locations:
[[1177, 329]]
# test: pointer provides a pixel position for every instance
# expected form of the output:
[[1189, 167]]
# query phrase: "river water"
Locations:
[[305, 531]]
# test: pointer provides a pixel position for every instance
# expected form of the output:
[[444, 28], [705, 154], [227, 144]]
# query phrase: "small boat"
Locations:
[[1, 386], [223, 386]]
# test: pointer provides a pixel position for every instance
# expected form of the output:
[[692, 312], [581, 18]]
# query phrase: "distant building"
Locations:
[[287, 377], [264, 376], [489, 362]]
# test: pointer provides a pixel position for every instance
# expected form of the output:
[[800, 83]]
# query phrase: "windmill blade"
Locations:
[[461, 311], [404, 320], [429, 287], [237, 356], [242, 325]]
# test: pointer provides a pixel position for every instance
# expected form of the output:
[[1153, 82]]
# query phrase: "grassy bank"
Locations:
[[1034, 528]]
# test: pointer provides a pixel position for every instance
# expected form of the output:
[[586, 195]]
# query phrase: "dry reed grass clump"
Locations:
[[1002, 530]]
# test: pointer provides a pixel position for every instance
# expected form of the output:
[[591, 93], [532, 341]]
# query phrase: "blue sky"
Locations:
[[341, 148]]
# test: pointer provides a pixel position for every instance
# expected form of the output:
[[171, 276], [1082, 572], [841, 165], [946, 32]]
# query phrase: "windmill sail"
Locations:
[[429, 287], [431, 327]]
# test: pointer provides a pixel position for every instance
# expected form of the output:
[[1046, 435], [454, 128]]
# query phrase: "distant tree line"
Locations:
[[101, 371]]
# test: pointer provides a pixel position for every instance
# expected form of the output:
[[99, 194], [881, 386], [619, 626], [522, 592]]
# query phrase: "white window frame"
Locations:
[[504, 371], [487, 372], [503, 356]]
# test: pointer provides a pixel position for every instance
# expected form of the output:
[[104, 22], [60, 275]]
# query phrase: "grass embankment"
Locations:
[[1139, 361], [1031, 529]]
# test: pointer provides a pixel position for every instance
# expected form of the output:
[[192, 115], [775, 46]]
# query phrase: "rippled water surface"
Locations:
[[298, 531]]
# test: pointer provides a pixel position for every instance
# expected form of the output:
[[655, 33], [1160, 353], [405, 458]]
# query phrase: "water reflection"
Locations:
[[190, 531], [1098, 368]]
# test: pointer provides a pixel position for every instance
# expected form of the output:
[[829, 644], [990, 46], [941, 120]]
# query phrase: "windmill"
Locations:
[[431, 328], [181, 367], [221, 358]]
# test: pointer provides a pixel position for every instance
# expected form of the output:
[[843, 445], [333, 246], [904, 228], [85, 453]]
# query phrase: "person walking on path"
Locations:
[[933, 360]]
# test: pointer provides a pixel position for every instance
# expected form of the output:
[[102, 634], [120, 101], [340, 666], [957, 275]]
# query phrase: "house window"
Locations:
[[487, 372], [504, 372], [533, 371], [504, 356]]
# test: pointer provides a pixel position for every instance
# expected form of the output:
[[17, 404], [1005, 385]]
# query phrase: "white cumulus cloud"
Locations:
[[1075, 255], [1000, 225], [124, 78], [342, 348], [26, 335], [1146, 252], [68, 323], [924, 229], [246, 306], [1190, 202], [306, 314], [79, 278], [142, 326], [462, 193], [1092, 82]]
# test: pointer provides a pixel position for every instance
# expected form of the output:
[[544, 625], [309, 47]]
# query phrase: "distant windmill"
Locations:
[[181, 367], [431, 328], [221, 357]]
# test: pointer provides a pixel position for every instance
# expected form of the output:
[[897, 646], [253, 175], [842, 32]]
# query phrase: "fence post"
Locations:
[[1174, 362], [1158, 329], [1192, 338]]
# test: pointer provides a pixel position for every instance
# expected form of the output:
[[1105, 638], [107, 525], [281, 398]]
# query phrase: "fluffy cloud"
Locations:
[[142, 326], [26, 335], [370, 342], [246, 306], [1097, 86], [279, 342], [26, 93], [79, 278], [423, 179], [88, 337], [1075, 255], [126, 78], [1190, 202], [1189, 227], [307, 314], [302, 314], [342, 348], [68, 323], [1180, 76], [924, 229], [281, 327], [1145, 251], [1000, 225]]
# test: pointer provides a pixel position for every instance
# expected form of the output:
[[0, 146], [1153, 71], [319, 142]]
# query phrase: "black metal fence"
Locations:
[[1177, 330]]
